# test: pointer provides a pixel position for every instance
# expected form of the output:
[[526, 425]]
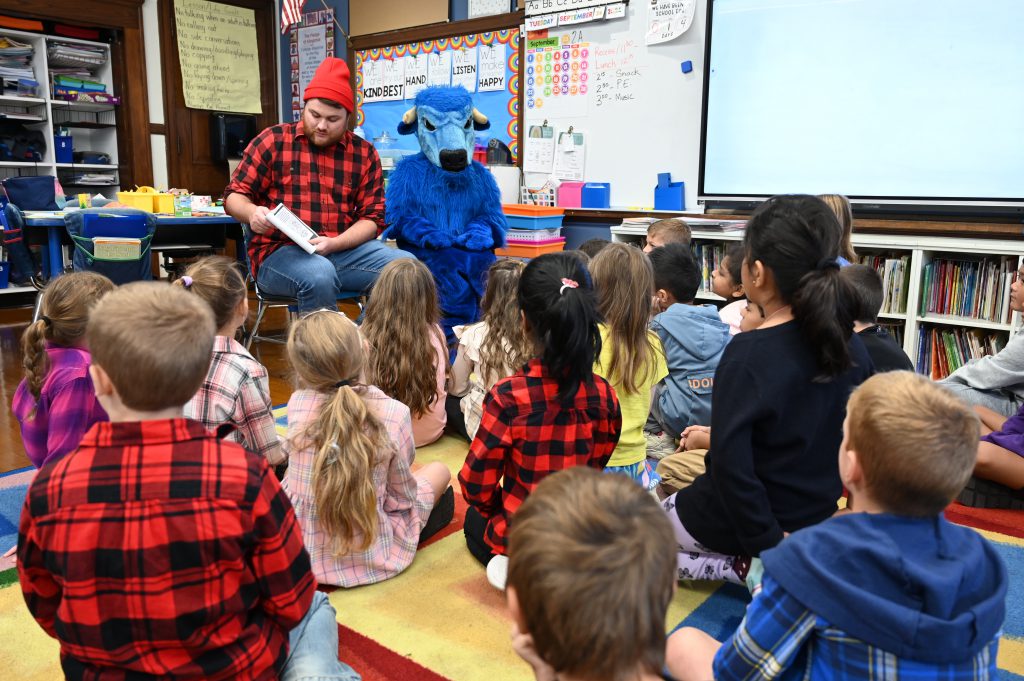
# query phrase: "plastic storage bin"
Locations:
[[596, 195], [514, 250], [521, 216], [62, 148], [569, 194]]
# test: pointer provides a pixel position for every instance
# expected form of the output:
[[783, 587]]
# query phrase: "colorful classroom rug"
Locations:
[[440, 619]]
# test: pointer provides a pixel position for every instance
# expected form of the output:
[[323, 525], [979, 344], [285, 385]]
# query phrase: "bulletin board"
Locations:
[[310, 43], [458, 60], [636, 107]]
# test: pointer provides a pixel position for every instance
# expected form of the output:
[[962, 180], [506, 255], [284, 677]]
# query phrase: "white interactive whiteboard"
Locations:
[[639, 113]]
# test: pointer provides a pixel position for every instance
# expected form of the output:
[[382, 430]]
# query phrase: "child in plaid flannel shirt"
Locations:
[[156, 549], [235, 397], [889, 589]]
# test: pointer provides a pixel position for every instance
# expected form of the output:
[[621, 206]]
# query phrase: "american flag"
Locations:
[[291, 13]]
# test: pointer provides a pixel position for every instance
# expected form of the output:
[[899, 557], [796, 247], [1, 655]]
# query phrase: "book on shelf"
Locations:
[[709, 256], [975, 289], [895, 274], [292, 227], [941, 351]]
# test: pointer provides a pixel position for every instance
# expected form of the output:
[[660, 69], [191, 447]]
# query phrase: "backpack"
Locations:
[[18, 143]]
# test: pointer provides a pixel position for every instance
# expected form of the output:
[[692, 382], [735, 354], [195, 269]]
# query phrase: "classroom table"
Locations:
[[54, 224]]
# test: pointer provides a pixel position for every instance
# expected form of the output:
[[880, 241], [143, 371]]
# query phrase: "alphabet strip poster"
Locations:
[[486, 64]]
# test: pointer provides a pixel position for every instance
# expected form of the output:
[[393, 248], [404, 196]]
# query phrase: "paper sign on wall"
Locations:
[[439, 68], [539, 151], [616, 11], [492, 68], [464, 68], [668, 19], [570, 156], [312, 50], [580, 16], [415, 74], [541, 22], [383, 80]]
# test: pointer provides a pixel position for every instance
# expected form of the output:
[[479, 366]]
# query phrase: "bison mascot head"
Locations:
[[444, 121]]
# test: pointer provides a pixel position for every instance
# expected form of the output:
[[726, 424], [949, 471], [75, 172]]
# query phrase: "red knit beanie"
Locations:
[[331, 81]]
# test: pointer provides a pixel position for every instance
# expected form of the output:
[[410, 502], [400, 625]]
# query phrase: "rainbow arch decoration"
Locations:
[[377, 117]]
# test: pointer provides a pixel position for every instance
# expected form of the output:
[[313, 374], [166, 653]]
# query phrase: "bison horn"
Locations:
[[409, 117], [478, 117]]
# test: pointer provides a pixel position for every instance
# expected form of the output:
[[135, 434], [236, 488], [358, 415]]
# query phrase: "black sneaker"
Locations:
[[987, 494]]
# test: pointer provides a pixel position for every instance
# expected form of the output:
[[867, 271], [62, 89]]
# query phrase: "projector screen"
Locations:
[[916, 101]]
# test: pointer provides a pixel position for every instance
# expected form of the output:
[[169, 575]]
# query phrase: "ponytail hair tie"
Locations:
[[568, 283], [826, 264], [341, 384], [186, 281], [46, 320]]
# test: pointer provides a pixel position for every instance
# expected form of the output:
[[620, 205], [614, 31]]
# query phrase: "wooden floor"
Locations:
[[14, 321]]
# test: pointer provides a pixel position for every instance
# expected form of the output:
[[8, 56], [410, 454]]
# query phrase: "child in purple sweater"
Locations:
[[55, 403]]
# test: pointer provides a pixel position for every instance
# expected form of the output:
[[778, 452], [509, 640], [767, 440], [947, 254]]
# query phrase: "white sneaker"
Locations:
[[497, 572], [659, 445]]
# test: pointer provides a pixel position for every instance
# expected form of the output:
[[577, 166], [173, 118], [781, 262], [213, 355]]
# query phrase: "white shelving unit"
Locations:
[[920, 251], [92, 126]]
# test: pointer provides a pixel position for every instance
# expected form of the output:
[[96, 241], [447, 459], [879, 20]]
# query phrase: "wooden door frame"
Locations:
[[173, 116], [128, 57]]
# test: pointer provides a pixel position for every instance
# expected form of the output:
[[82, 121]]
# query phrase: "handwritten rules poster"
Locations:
[[219, 57]]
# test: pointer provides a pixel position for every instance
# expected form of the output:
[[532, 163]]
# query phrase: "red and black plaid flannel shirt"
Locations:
[[328, 189], [156, 549], [526, 434]]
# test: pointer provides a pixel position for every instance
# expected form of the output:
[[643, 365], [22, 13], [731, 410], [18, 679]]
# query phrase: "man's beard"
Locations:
[[316, 141]]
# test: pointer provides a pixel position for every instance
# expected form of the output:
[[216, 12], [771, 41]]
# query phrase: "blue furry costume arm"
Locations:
[[443, 207]]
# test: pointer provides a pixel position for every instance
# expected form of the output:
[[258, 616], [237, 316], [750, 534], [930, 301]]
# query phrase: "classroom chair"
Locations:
[[121, 262], [266, 301]]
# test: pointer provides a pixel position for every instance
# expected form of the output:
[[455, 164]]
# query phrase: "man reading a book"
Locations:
[[329, 178]]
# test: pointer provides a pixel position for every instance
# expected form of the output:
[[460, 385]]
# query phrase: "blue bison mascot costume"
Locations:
[[444, 207]]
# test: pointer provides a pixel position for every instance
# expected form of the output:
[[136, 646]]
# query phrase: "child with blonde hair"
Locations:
[[631, 358], [668, 231], [55, 402], [840, 205], [888, 590], [361, 508], [492, 348], [408, 358], [234, 400]]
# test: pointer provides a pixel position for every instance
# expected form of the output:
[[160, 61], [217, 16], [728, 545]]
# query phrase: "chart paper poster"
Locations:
[[219, 57], [464, 68], [492, 70], [312, 51], [439, 68], [668, 19], [415, 74]]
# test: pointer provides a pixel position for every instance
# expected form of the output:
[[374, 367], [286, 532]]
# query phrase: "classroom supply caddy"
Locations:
[[148, 199], [533, 230]]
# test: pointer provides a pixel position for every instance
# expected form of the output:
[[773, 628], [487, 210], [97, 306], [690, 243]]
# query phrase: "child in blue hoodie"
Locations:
[[890, 589], [694, 337]]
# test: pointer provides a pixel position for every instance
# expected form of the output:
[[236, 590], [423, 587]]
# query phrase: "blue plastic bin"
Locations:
[[524, 222], [596, 195]]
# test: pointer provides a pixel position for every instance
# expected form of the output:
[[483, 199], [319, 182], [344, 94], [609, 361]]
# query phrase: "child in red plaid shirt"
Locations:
[[552, 414], [235, 397], [157, 550]]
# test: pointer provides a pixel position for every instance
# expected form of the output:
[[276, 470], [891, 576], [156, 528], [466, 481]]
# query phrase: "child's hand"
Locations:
[[695, 437], [523, 645]]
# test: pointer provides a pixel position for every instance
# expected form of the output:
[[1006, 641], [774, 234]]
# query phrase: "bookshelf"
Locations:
[[91, 125], [943, 293]]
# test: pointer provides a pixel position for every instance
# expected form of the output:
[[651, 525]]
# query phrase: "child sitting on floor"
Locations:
[[631, 357], [156, 549], [554, 413], [891, 589], [779, 399], [55, 403], [361, 508], [589, 581], [408, 358], [234, 400], [693, 337], [866, 286], [668, 231], [998, 480], [727, 282], [490, 349]]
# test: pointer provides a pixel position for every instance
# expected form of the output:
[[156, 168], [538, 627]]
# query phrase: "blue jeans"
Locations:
[[313, 646], [317, 281]]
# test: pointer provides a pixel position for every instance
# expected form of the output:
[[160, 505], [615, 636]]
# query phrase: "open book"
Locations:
[[292, 227]]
